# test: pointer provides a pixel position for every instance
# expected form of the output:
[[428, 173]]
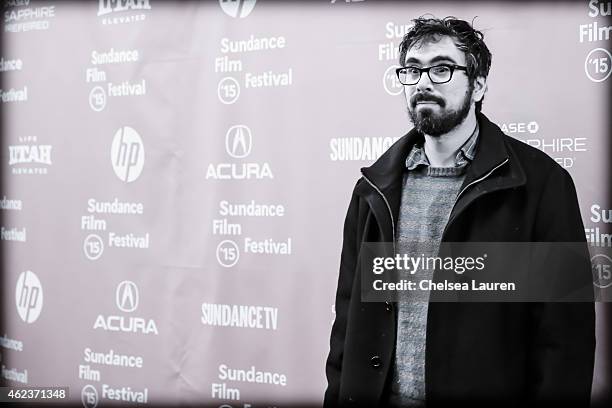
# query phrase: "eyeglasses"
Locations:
[[438, 74]]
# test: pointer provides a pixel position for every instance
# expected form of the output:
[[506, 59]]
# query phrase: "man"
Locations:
[[456, 177]]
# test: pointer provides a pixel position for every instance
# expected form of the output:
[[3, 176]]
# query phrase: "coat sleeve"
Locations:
[[348, 262], [563, 348]]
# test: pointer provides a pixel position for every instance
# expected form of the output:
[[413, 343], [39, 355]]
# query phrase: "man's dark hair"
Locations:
[[466, 38]]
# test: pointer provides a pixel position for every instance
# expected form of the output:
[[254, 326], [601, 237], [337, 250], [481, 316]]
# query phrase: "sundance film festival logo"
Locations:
[[89, 396], [227, 253], [391, 83], [237, 8], [126, 296], [93, 247], [97, 99], [127, 154], [228, 90], [602, 270], [28, 296], [598, 65]]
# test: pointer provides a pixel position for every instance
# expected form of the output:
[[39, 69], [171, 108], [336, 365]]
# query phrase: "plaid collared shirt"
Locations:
[[466, 153]]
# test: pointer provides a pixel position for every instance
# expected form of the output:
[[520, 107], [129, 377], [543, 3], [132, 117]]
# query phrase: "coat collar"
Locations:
[[387, 172]]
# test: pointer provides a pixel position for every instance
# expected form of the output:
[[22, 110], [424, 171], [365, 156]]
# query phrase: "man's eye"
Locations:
[[412, 71], [441, 69]]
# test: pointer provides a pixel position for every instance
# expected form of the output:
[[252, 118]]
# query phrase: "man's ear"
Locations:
[[480, 87]]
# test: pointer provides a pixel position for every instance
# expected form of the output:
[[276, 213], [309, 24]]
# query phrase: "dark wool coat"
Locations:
[[516, 354]]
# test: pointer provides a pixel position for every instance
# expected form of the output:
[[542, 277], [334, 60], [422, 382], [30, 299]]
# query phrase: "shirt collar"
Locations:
[[464, 156]]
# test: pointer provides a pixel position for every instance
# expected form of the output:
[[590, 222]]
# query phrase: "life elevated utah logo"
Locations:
[[127, 154], [28, 296], [237, 8], [126, 300], [238, 145], [122, 11], [29, 157]]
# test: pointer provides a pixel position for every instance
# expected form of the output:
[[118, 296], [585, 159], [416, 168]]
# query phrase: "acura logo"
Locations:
[[127, 296], [238, 141]]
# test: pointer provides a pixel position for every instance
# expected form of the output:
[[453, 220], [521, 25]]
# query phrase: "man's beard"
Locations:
[[435, 124]]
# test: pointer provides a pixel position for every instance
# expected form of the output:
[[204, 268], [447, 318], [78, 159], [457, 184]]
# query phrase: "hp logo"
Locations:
[[127, 154], [237, 8], [28, 296]]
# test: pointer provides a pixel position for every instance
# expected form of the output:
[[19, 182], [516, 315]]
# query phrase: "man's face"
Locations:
[[436, 109]]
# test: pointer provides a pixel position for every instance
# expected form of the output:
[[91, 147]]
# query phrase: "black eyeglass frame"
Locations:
[[452, 67]]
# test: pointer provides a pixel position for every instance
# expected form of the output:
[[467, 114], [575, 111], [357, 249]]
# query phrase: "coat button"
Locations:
[[388, 307], [375, 361]]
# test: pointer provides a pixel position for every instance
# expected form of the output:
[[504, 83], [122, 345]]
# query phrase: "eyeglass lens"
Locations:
[[437, 74]]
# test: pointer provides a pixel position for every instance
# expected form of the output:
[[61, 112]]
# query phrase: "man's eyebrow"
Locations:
[[438, 58], [443, 58]]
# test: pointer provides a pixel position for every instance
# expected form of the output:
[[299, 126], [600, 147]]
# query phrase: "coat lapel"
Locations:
[[493, 168], [387, 175]]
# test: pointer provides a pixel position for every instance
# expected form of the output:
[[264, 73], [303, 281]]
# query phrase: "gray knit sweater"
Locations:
[[428, 196]]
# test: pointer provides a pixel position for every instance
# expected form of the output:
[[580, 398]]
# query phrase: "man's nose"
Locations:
[[424, 84]]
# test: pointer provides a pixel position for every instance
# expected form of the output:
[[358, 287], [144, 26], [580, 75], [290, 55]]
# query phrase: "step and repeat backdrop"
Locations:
[[175, 177]]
